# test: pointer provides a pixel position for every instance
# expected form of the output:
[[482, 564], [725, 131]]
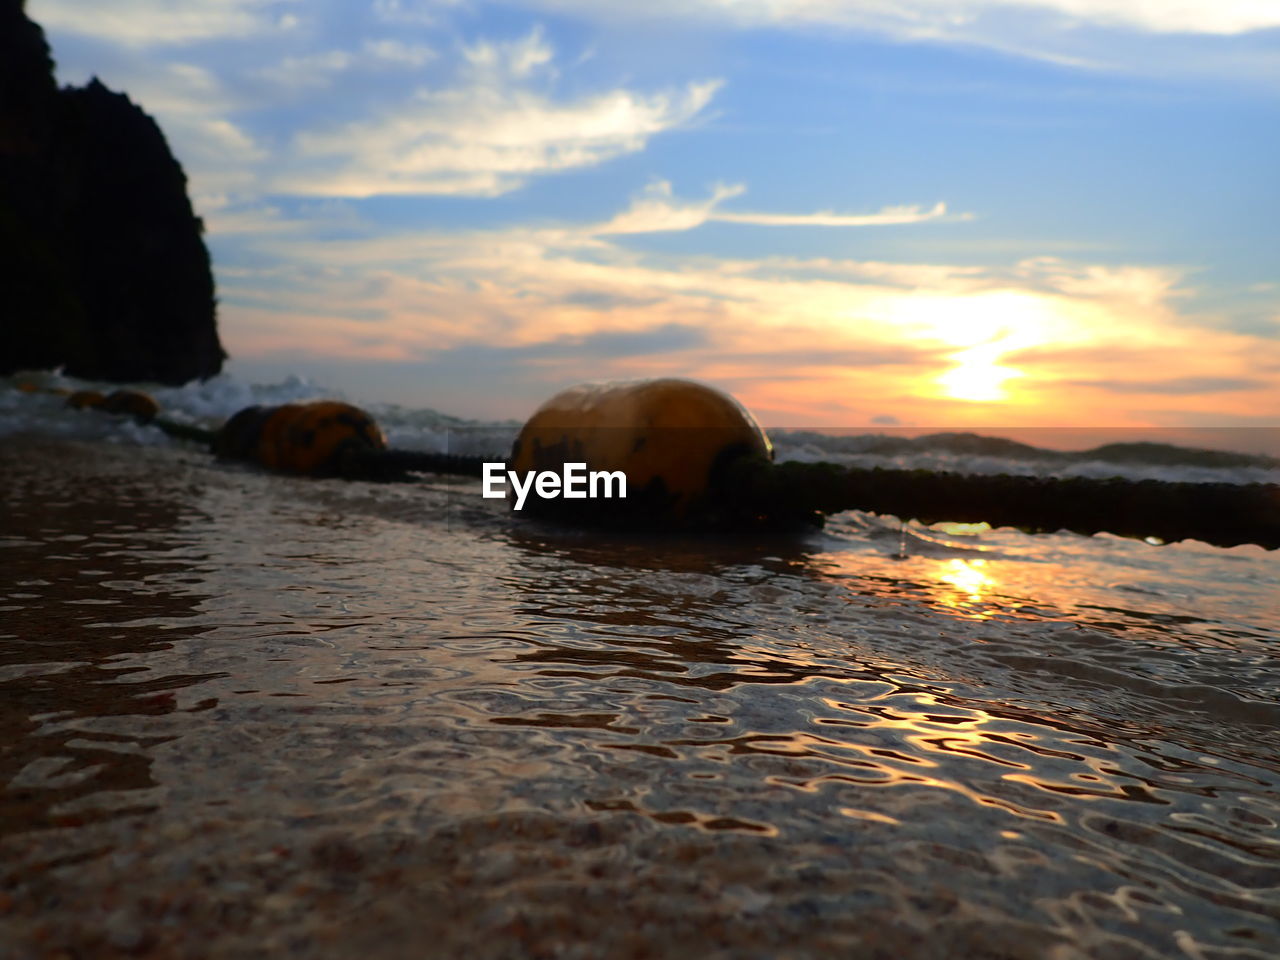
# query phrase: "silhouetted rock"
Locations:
[[27, 88], [107, 273], [1164, 454]]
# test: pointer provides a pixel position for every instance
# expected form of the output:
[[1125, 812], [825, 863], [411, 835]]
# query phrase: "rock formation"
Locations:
[[104, 268]]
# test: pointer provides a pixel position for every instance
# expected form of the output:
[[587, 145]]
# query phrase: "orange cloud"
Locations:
[[805, 342]]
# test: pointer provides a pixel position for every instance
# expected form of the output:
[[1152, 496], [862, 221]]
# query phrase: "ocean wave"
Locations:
[[971, 453], [208, 403]]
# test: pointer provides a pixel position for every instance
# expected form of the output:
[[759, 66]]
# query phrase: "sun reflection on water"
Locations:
[[970, 577]]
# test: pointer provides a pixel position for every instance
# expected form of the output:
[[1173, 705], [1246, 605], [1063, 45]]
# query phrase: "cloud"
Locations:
[[802, 341], [398, 52], [178, 88], [515, 59], [805, 343], [932, 18], [1179, 386], [665, 339], [224, 217], [422, 13], [312, 70], [826, 218], [159, 22], [489, 121], [602, 300], [1230, 39], [320, 69], [1140, 285], [487, 134], [195, 109], [226, 138], [658, 210], [143, 23]]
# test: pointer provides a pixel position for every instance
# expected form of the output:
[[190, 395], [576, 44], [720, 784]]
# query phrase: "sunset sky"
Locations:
[[940, 213]]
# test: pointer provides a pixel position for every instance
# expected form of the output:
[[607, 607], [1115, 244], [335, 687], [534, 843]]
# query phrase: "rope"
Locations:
[[752, 491], [389, 465], [1222, 514], [791, 494], [182, 431]]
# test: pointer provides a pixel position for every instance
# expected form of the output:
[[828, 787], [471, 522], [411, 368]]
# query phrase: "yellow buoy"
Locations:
[[670, 437], [133, 402], [83, 399], [307, 438]]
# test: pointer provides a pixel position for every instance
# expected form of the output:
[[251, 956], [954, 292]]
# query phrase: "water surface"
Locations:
[[245, 713]]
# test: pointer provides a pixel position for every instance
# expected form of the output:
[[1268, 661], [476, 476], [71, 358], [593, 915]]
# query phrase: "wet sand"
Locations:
[[248, 715]]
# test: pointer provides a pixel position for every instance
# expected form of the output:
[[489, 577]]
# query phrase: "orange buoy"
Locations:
[[306, 438], [27, 386], [238, 438], [86, 399], [135, 403], [670, 437]]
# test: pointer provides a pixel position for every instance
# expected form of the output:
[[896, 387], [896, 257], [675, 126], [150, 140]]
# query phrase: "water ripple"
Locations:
[[995, 744]]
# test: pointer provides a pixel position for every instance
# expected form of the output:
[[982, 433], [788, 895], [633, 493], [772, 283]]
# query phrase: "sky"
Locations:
[[959, 214]]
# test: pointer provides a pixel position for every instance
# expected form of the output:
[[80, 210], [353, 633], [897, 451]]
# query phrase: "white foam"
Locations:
[[943, 461], [209, 403]]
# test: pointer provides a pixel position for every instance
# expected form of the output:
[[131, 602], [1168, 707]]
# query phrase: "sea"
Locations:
[[245, 714]]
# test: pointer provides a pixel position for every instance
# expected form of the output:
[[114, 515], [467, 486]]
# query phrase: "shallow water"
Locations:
[[249, 714]]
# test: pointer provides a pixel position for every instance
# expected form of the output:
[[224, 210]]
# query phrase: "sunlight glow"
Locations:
[[962, 529], [986, 326], [976, 376], [1016, 318], [969, 576]]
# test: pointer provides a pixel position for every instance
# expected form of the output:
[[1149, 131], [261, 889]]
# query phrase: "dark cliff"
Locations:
[[104, 268]]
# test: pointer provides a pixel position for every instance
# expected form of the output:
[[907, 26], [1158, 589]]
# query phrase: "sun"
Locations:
[[982, 328], [977, 376]]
